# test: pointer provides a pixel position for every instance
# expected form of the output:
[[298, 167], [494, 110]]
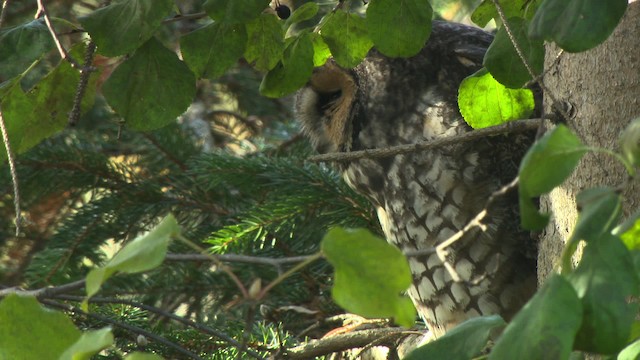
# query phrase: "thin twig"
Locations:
[[510, 127], [133, 329], [85, 73], [14, 174], [5, 4], [153, 309], [258, 260], [44, 292], [42, 10]]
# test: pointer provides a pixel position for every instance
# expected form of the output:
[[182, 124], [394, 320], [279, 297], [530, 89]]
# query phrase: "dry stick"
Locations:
[[510, 127], [133, 329], [63, 52]]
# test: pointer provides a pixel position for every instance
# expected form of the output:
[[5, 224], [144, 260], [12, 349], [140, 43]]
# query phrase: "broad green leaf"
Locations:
[[43, 111], [321, 52], [90, 343], [142, 356], [546, 165], [21, 45], [293, 71], [151, 88], [347, 37], [512, 8], [463, 342], [370, 275], [485, 102], [30, 331], [604, 280], [630, 142], [213, 49], [503, 61], [631, 352], [600, 210], [399, 28], [303, 13], [124, 26], [143, 253], [234, 11], [265, 43], [577, 25], [545, 327]]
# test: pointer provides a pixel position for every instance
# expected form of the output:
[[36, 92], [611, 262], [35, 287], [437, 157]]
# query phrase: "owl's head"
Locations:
[[324, 108]]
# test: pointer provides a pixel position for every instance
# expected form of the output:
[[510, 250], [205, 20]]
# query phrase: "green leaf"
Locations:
[[577, 25], [293, 71], [30, 331], [43, 111], [143, 253], [604, 280], [399, 28], [630, 231], [600, 210], [463, 342], [546, 165], [630, 142], [503, 61], [21, 45], [546, 325], [321, 52], [370, 275], [151, 88], [303, 13], [90, 343], [124, 26], [265, 43], [347, 37], [142, 356], [213, 49], [234, 11], [512, 8], [631, 352], [485, 102]]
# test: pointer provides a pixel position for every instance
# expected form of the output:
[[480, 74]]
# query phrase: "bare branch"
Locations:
[[510, 127], [12, 169], [85, 73], [42, 10], [3, 12]]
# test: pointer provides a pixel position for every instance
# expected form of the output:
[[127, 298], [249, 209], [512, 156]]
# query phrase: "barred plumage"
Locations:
[[423, 198]]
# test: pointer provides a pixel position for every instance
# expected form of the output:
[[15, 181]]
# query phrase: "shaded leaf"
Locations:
[[213, 49], [577, 25], [630, 142], [143, 253], [546, 325], [604, 280], [399, 28], [302, 13], [21, 45], [460, 343], [370, 275], [265, 43], [546, 165], [503, 61], [124, 26], [30, 331], [346, 35], [293, 71], [90, 343], [151, 88], [234, 11], [485, 102]]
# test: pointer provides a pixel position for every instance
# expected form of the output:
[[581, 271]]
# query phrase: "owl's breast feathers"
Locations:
[[423, 198]]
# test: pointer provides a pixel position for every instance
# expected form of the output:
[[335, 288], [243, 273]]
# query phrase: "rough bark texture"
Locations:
[[603, 86]]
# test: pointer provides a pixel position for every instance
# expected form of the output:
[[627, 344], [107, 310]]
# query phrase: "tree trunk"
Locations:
[[603, 86]]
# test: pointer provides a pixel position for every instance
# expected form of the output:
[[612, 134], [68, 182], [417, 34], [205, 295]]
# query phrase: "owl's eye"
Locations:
[[327, 100]]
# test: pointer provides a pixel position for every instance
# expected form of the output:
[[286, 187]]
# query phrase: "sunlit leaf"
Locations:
[[485, 102], [90, 343], [512, 8], [347, 37], [370, 275]]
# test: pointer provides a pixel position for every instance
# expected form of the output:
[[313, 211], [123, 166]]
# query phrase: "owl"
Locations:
[[425, 197]]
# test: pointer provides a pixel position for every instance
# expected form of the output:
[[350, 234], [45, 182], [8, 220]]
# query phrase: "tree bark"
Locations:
[[603, 86]]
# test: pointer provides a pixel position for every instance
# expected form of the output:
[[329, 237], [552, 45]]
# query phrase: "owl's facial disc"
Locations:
[[334, 88]]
